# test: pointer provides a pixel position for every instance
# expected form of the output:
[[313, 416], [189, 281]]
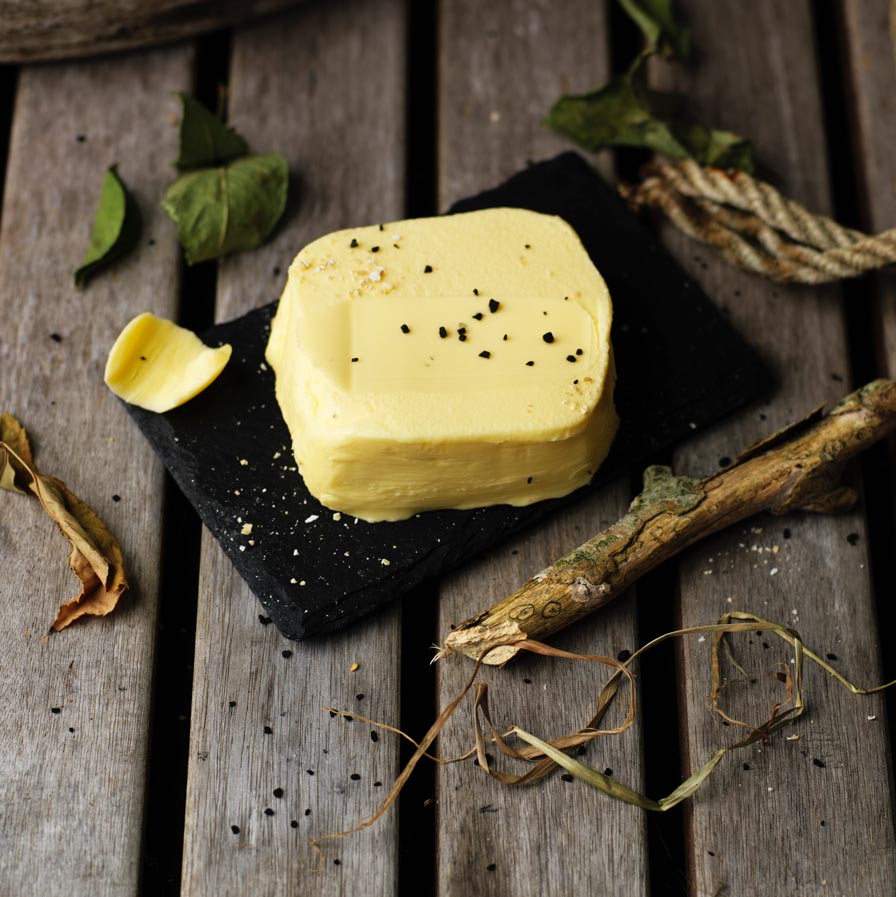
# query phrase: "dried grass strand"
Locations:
[[548, 755]]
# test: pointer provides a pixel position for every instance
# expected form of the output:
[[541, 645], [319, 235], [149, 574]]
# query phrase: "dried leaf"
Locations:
[[12, 435], [204, 139], [116, 227], [95, 556], [662, 33], [625, 112], [228, 209]]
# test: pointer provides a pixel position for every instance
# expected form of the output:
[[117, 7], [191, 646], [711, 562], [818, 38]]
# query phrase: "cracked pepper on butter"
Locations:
[[449, 362]]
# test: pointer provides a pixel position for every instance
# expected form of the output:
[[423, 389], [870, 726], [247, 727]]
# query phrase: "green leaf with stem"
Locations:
[[116, 227], [231, 208]]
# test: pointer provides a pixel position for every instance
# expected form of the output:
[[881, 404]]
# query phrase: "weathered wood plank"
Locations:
[[72, 782], [59, 29], [811, 815], [324, 87], [501, 66]]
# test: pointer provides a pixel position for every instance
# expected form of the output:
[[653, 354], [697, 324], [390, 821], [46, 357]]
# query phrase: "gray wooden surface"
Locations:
[[72, 781], [786, 807], [288, 92], [500, 68], [327, 85]]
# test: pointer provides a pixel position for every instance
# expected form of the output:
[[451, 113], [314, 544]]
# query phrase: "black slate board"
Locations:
[[680, 366]]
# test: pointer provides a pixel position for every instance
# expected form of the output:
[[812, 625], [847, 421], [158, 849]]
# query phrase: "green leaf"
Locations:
[[116, 227], [228, 209], [625, 112], [204, 139], [662, 33]]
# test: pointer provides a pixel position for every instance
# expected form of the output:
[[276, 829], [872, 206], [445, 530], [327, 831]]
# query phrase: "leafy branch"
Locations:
[[627, 112]]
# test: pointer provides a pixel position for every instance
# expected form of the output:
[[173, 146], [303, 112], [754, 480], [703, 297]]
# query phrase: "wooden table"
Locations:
[[144, 752]]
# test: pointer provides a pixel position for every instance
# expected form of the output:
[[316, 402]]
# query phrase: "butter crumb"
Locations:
[[385, 562], [293, 580], [247, 528], [354, 667], [244, 462], [337, 516]]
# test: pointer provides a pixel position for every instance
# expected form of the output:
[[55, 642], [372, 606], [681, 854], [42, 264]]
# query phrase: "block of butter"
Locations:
[[448, 362]]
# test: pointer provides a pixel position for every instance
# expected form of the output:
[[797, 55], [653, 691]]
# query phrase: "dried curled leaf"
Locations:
[[626, 112], [204, 139], [228, 209], [116, 227], [95, 556], [662, 32]]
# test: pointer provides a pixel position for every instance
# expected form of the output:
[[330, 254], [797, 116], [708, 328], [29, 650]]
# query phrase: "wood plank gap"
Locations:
[[420, 111], [655, 596], [659, 706], [172, 690], [8, 80], [416, 805], [419, 701], [165, 804], [626, 41], [844, 175], [210, 86]]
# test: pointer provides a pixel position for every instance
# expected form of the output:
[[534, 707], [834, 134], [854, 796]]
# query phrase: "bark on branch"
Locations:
[[797, 469]]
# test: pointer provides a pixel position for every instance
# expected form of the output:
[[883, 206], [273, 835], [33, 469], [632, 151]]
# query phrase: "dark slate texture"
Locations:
[[680, 366]]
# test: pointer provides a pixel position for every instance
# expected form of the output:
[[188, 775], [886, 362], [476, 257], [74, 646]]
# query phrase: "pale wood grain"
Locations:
[[785, 825], [501, 66], [72, 783], [323, 86]]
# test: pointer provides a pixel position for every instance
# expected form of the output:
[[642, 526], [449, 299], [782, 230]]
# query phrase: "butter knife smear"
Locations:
[[449, 362]]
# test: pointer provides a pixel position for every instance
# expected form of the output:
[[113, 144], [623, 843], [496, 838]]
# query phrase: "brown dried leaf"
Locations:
[[12, 434], [95, 557]]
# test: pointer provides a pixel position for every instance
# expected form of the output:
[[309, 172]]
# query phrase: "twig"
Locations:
[[797, 469]]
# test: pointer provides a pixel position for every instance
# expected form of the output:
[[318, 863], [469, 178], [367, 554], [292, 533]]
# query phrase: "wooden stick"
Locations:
[[58, 29], [797, 469]]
